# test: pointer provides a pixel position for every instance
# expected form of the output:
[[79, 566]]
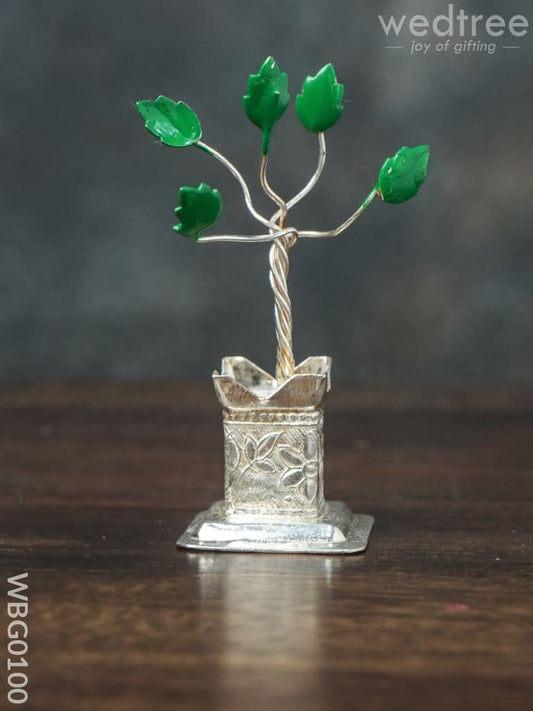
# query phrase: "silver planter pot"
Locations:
[[274, 467]]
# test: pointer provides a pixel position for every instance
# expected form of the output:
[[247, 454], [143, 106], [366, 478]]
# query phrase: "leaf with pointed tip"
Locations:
[[232, 453], [265, 466], [309, 489], [173, 122], [266, 444], [250, 449], [311, 446], [319, 104], [401, 175], [292, 477], [199, 208], [290, 457], [266, 98]]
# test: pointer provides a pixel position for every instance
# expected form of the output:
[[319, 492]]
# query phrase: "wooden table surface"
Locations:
[[98, 481]]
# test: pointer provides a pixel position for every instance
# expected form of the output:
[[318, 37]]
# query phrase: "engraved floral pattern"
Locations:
[[273, 465], [233, 455], [302, 471], [257, 451]]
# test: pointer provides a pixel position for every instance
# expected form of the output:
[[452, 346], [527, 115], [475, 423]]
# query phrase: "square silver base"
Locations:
[[335, 530]]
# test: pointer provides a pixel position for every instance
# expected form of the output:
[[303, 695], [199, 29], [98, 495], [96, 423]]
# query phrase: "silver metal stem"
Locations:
[[237, 175], [282, 241], [279, 272], [313, 180]]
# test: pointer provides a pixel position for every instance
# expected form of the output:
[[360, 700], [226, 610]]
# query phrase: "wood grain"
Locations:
[[98, 482]]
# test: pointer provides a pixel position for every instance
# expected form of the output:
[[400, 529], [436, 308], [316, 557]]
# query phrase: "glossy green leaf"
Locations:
[[319, 104], [199, 208], [402, 174], [173, 122], [266, 98]]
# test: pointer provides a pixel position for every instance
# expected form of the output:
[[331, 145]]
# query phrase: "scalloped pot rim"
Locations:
[[242, 384]]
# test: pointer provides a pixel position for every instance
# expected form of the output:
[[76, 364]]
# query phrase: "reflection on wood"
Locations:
[[436, 615]]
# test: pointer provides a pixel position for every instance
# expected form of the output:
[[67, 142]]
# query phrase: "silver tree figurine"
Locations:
[[273, 426]]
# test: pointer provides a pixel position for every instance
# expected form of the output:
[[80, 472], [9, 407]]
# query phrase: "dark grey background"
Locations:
[[93, 281]]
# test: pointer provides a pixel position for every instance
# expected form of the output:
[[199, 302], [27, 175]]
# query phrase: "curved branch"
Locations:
[[291, 232], [344, 226], [280, 218], [237, 175], [314, 178]]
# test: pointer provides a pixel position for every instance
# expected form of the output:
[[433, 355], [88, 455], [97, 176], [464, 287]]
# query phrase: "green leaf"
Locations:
[[402, 175], [266, 98], [173, 122], [319, 104], [199, 208]]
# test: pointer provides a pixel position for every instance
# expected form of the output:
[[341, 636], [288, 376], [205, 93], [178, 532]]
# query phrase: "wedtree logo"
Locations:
[[477, 31]]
